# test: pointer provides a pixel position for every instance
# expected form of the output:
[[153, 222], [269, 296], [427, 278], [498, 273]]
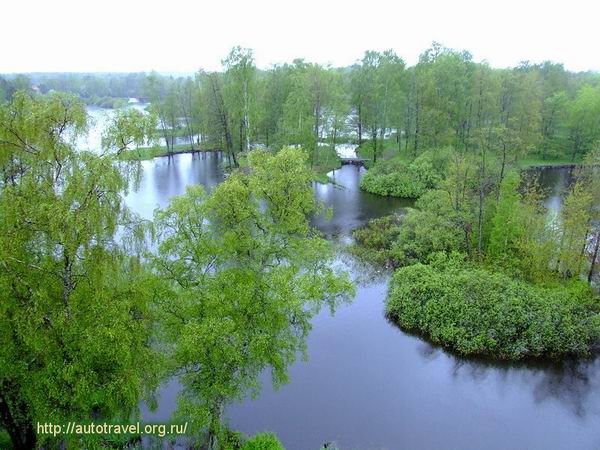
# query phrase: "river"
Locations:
[[367, 385]]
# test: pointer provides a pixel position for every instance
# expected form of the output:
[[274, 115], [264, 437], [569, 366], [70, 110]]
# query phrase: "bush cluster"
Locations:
[[373, 242], [400, 179], [263, 441], [395, 240], [476, 312]]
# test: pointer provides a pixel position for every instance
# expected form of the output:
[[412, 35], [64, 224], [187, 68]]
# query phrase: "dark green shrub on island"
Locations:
[[477, 312], [373, 242], [398, 178], [505, 282]]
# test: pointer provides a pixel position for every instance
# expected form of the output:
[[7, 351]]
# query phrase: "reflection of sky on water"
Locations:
[[165, 177], [98, 119]]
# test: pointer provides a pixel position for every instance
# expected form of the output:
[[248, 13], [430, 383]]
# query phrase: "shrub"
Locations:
[[263, 441], [395, 241], [431, 227], [476, 312], [397, 179], [374, 241]]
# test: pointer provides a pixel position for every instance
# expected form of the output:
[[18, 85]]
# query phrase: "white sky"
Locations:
[[184, 35]]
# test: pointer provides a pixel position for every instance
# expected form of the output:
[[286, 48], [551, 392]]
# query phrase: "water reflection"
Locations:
[[166, 177], [369, 385], [573, 384], [351, 206], [554, 182]]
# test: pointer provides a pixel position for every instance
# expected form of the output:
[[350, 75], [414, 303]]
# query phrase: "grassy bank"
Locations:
[[325, 160], [107, 102], [555, 161], [388, 150], [146, 153]]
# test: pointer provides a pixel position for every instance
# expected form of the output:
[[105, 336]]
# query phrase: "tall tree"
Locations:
[[247, 273], [584, 120], [239, 86], [164, 104], [75, 300]]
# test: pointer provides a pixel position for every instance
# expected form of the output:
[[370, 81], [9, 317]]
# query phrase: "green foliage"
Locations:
[[477, 312], [107, 102], [429, 228], [536, 111], [5, 441], [507, 225], [311, 103], [239, 86], [127, 128], [398, 179], [263, 441], [246, 274], [583, 119], [76, 302], [374, 241], [397, 241], [575, 215]]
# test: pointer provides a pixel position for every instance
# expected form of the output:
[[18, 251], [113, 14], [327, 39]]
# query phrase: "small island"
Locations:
[[483, 267]]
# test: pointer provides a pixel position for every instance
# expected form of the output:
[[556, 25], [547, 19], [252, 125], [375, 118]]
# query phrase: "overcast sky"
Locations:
[[184, 35]]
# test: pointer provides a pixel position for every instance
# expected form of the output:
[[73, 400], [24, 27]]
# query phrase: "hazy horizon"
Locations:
[[182, 36]]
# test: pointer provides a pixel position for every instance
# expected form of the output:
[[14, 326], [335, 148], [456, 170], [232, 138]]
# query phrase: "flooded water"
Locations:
[[368, 385], [98, 120]]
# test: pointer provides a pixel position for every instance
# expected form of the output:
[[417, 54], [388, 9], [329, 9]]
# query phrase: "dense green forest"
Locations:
[[532, 111], [98, 306]]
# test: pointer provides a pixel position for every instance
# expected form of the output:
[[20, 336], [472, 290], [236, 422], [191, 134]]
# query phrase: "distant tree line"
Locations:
[[446, 99], [94, 88]]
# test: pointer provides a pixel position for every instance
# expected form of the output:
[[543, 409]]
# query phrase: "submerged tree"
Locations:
[[74, 303], [165, 105], [247, 273]]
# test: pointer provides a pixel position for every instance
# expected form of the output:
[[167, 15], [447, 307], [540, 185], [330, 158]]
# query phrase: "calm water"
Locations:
[[98, 120], [368, 385]]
